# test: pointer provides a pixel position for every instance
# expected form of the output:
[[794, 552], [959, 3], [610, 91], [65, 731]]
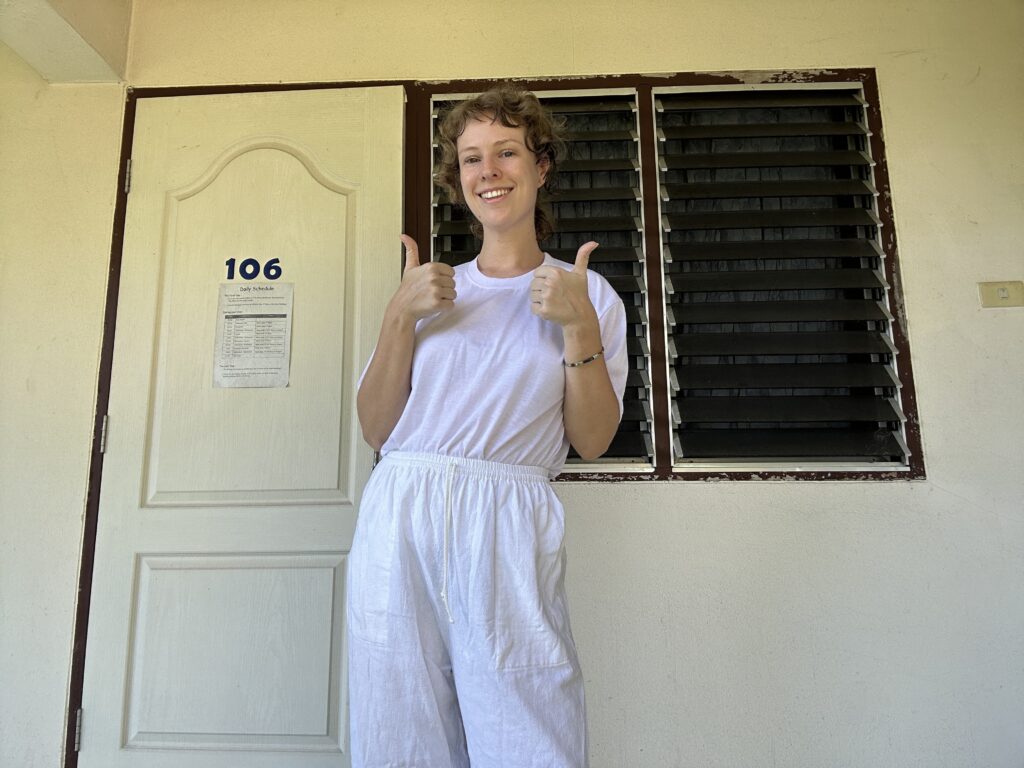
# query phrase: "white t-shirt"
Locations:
[[487, 376]]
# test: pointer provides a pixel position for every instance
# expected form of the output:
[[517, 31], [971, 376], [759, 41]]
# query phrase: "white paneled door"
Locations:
[[216, 634]]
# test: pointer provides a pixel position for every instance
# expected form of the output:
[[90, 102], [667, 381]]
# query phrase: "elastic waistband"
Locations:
[[467, 466]]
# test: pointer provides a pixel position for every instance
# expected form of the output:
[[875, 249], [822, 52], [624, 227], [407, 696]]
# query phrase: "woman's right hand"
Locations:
[[426, 288]]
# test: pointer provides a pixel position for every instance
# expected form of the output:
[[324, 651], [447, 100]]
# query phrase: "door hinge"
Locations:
[[128, 177], [78, 730], [103, 435]]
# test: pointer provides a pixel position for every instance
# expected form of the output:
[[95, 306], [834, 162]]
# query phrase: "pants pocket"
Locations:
[[370, 575], [531, 617]]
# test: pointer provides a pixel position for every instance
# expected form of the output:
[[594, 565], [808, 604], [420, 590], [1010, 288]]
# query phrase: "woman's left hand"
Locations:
[[560, 295], [590, 410]]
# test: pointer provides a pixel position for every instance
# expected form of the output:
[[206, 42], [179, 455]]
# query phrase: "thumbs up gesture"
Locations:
[[426, 288], [561, 295]]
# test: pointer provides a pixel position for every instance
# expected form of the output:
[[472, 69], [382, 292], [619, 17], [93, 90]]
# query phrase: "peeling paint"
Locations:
[[721, 477], [760, 77], [806, 76]]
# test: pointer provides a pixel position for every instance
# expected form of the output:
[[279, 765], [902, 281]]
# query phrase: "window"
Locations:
[[747, 227]]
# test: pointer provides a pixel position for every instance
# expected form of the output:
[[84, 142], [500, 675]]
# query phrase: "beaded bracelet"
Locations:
[[585, 360]]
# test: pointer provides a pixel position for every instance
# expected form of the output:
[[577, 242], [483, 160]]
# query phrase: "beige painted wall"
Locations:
[[104, 24], [59, 148], [732, 624]]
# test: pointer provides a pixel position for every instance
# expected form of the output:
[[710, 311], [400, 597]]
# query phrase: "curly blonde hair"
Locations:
[[512, 107]]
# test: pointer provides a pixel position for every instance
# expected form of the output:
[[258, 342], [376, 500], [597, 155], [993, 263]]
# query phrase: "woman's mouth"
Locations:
[[494, 194]]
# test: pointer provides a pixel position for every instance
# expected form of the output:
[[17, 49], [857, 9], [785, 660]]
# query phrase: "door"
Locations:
[[216, 632]]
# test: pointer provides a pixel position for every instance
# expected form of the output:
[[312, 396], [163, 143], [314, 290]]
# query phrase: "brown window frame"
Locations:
[[419, 192]]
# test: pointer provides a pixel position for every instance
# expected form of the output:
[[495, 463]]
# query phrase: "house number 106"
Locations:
[[250, 268]]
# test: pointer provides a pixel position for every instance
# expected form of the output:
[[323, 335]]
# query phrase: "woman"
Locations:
[[460, 647]]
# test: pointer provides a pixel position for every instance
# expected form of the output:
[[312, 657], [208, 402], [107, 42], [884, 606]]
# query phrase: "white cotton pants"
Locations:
[[460, 650]]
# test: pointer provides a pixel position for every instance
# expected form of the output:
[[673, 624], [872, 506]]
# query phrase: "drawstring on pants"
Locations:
[[449, 475]]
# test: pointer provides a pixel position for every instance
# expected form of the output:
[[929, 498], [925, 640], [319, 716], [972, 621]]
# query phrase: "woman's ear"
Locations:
[[543, 164]]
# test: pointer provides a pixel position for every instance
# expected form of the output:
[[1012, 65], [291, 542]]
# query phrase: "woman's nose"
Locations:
[[488, 169]]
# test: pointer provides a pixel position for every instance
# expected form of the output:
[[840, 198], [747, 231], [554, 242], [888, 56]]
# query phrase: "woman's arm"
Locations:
[[384, 391], [591, 408]]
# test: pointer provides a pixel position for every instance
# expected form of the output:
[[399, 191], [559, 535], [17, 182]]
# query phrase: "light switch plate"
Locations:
[[1006, 294]]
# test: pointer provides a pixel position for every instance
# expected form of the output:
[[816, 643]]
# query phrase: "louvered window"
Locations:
[[779, 339], [747, 225]]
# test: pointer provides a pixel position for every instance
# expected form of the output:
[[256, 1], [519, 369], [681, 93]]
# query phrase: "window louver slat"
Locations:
[[581, 105], [630, 444], [636, 410], [637, 346], [628, 134], [780, 408], [768, 189], [817, 343], [626, 283], [599, 164], [726, 131], [765, 160], [775, 311], [598, 224], [636, 316], [597, 193], [773, 280], [778, 324], [777, 249], [791, 444], [829, 217], [778, 376], [638, 378]]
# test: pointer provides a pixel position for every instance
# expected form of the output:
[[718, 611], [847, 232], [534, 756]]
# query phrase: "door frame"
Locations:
[[410, 221]]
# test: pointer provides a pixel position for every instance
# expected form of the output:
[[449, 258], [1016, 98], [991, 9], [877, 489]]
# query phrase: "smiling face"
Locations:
[[499, 175]]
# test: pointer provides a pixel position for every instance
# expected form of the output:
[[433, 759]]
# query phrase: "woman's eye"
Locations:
[[469, 160], [508, 153]]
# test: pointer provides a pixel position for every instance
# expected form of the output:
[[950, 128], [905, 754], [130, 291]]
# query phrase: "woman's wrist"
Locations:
[[582, 340], [398, 316], [584, 361], [585, 328]]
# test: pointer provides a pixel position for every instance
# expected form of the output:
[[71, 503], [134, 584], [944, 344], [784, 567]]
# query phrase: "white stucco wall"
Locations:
[[59, 147], [720, 624]]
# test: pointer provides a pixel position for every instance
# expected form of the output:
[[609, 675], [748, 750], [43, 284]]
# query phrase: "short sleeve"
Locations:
[[613, 337], [366, 368]]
